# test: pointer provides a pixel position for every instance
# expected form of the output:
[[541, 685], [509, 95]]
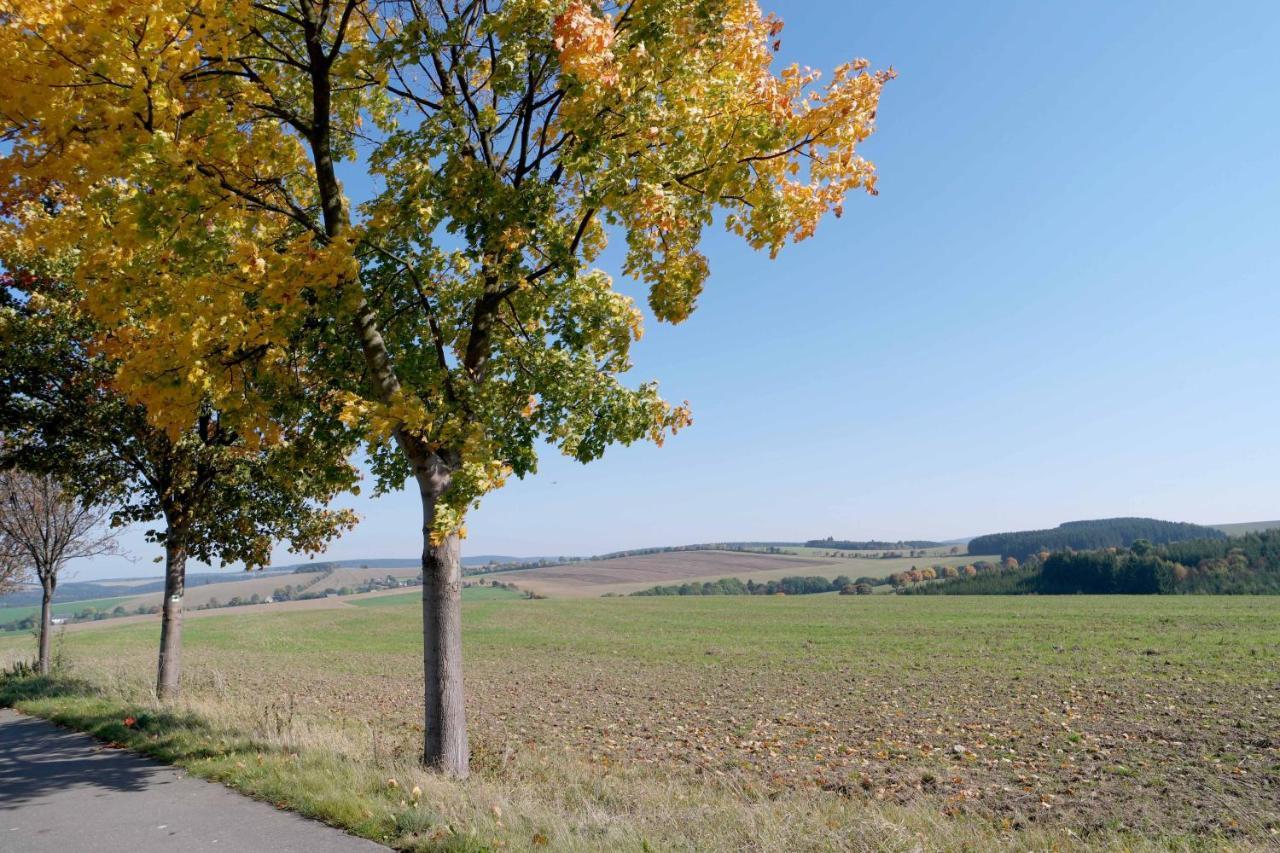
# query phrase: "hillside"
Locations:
[[265, 586], [624, 575], [354, 577], [1086, 535], [1245, 565], [71, 590]]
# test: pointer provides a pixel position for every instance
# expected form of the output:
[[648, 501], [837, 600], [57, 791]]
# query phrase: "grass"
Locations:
[[821, 722], [67, 608]]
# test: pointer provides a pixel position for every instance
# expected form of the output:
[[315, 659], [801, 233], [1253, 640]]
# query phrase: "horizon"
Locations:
[[1059, 307], [291, 561]]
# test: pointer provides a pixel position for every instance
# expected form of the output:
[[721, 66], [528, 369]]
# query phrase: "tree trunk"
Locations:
[[445, 748], [175, 581], [46, 626], [445, 739]]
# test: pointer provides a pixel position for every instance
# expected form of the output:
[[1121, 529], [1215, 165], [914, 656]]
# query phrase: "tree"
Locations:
[[50, 527], [221, 496], [192, 149]]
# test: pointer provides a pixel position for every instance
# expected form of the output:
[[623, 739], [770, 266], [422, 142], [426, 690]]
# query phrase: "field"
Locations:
[[414, 598], [264, 586], [199, 596], [68, 608], [1246, 527], [821, 722], [367, 599], [624, 575], [354, 576], [224, 592]]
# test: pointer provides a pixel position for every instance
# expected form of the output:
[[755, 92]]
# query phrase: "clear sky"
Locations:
[[1062, 305]]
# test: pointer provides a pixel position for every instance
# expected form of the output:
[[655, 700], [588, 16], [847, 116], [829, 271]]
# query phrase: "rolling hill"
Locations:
[[1085, 535], [624, 575]]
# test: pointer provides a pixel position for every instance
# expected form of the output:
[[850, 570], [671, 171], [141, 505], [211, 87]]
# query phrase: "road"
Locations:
[[66, 792]]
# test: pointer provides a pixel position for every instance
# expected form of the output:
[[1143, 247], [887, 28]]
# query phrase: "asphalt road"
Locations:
[[66, 792]]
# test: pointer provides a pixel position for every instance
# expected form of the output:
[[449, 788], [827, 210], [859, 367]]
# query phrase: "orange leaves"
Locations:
[[585, 44], [681, 114]]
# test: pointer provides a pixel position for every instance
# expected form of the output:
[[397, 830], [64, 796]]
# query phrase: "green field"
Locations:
[[819, 722], [69, 608]]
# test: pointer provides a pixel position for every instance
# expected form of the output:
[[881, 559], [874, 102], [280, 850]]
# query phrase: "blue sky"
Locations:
[[1062, 305]]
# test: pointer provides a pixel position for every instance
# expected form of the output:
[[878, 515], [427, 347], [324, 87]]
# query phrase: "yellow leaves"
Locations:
[[119, 115], [699, 119], [380, 421], [669, 420], [594, 240], [677, 279], [478, 475]]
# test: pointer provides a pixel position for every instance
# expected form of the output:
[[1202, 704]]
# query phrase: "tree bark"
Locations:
[[445, 748], [46, 626], [168, 679]]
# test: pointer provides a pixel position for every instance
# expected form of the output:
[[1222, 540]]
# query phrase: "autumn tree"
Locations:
[[46, 527], [220, 497], [190, 153]]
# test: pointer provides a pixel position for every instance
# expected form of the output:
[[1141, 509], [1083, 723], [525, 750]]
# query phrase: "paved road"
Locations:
[[65, 792]]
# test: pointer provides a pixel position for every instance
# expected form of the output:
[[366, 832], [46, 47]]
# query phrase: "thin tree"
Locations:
[[50, 527]]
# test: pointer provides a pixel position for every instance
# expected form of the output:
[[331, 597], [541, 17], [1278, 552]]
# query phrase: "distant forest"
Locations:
[[869, 545], [1249, 565], [1091, 535]]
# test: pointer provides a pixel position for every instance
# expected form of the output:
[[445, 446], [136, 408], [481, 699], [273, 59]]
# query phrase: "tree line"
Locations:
[[1090, 535], [871, 544], [793, 585], [1249, 565]]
